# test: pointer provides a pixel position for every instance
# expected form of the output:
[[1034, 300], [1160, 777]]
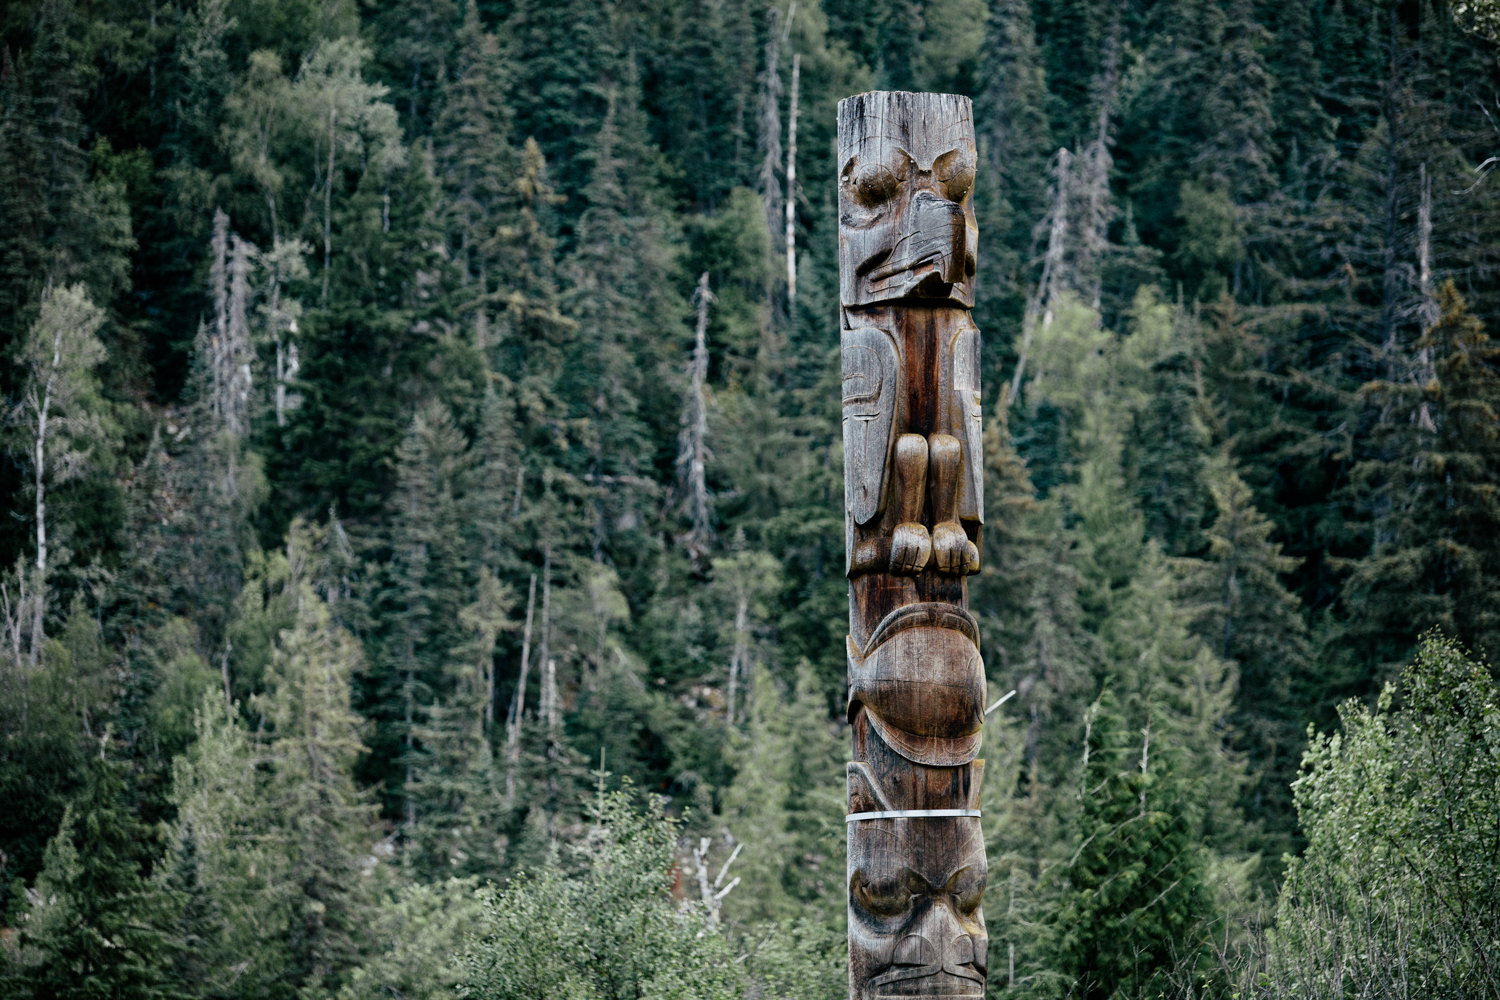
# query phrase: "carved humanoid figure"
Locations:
[[914, 515]]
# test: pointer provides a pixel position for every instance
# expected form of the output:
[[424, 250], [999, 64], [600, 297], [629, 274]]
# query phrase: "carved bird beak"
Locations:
[[933, 232]]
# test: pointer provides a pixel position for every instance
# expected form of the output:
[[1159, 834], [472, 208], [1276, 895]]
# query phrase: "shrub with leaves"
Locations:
[[1398, 893], [599, 922]]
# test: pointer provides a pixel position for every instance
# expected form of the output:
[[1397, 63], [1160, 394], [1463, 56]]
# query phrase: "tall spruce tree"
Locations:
[[94, 924]]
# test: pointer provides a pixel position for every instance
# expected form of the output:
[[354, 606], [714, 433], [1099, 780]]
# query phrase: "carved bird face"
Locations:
[[915, 931], [906, 198]]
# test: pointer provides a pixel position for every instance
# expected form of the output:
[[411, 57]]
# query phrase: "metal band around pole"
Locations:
[[912, 814]]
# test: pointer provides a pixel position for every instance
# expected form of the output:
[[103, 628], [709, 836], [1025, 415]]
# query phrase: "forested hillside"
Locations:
[[422, 424]]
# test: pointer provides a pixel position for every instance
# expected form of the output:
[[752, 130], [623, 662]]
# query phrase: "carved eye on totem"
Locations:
[[873, 181], [967, 887], [886, 897], [954, 172]]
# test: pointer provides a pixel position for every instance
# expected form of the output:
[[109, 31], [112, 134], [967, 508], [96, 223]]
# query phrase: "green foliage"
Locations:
[[93, 924], [414, 938], [599, 922], [375, 313], [1133, 903], [1400, 871]]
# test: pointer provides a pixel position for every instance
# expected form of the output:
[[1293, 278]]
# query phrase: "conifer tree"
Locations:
[[324, 823], [1245, 614], [1017, 142], [227, 879], [429, 576], [1133, 900], [455, 786], [1431, 559], [784, 804], [23, 222], [94, 924], [44, 763], [620, 293], [475, 159]]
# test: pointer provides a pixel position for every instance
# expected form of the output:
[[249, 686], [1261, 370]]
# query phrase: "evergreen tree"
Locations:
[[475, 159], [1432, 559], [227, 878], [784, 805], [1245, 614], [455, 785], [322, 820], [1133, 898], [94, 924], [429, 576]]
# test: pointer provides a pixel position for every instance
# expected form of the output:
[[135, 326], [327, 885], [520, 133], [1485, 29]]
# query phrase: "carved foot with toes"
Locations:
[[911, 549]]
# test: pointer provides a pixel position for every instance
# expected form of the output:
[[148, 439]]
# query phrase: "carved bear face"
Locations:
[[916, 932], [906, 198]]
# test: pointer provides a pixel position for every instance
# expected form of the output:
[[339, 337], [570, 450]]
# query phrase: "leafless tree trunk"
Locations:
[[741, 648], [1093, 243], [692, 448], [791, 184], [333, 116], [549, 677], [1045, 291], [518, 701]]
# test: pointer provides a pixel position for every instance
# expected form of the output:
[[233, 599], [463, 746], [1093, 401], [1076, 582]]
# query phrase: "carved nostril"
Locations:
[[981, 953], [913, 950], [962, 950]]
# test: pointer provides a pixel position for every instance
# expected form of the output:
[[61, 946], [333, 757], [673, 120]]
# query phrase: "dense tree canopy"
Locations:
[[411, 436]]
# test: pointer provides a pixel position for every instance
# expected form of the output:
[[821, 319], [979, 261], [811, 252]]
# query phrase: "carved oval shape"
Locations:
[[874, 181], [884, 897], [923, 682], [954, 172]]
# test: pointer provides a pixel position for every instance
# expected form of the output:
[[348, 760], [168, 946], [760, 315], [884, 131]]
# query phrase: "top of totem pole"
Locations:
[[906, 198]]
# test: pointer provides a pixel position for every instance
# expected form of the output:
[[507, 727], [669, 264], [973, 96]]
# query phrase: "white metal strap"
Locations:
[[911, 814]]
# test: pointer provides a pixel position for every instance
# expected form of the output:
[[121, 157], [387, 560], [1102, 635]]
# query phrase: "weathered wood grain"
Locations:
[[914, 515]]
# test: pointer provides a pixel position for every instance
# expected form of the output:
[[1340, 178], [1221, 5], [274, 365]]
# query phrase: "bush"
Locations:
[[601, 928], [1398, 893]]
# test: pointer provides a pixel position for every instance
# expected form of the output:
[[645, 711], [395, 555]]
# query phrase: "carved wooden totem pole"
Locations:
[[914, 510]]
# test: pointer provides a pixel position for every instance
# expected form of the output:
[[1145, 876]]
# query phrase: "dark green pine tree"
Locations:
[[1015, 132], [23, 201], [456, 788], [563, 49], [621, 294], [90, 238], [427, 583], [415, 41], [94, 925], [1175, 426], [44, 763], [1164, 128], [1132, 901], [1243, 611], [1304, 130], [1239, 158], [1433, 557], [475, 163]]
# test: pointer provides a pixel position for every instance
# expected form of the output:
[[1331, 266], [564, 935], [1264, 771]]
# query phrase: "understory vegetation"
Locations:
[[423, 572]]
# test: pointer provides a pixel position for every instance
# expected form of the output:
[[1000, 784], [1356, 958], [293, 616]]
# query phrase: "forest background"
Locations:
[[422, 423]]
